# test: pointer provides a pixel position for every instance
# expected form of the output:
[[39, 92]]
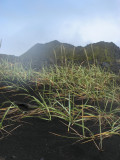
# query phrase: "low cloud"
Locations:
[[90, 31]]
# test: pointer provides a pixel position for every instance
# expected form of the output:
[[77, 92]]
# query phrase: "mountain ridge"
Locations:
[[58, 42], [45, 54]]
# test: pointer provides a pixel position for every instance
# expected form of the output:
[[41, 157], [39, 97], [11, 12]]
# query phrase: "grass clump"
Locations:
[[14, 72], [86, 99]]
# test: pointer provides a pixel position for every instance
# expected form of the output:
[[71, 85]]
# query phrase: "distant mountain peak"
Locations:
[[55, 42]]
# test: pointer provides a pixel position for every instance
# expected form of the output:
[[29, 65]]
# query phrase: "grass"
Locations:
[[83, 98]]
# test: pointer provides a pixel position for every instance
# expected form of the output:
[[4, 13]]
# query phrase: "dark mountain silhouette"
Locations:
[[9, 58], [45, 54], [104, 53]]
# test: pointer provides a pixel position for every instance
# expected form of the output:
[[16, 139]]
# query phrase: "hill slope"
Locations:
[[104, 53], [107, 54]]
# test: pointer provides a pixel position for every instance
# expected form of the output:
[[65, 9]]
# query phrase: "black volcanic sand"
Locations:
[[34, 141]]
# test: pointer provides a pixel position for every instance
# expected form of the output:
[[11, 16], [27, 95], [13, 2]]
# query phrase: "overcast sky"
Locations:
[[24, 23]]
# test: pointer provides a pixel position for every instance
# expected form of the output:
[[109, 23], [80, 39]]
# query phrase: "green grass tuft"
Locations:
[[83, 97]]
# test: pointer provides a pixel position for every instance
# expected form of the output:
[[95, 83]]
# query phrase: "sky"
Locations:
[[23, 23]]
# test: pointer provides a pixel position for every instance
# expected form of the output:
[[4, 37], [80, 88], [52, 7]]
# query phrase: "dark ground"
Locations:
[[34, 142]]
